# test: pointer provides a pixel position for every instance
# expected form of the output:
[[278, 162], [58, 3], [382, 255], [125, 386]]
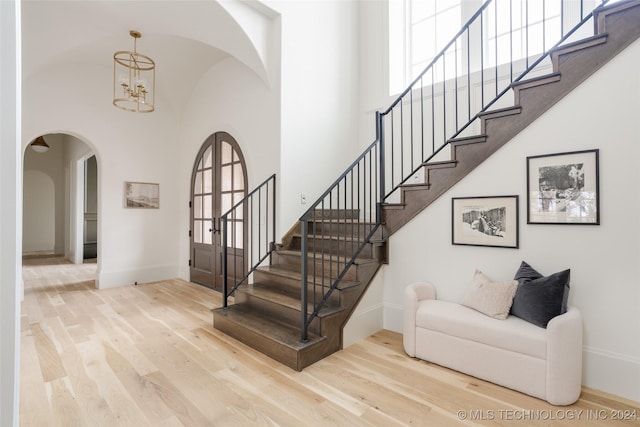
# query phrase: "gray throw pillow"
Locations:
[[540, 298]]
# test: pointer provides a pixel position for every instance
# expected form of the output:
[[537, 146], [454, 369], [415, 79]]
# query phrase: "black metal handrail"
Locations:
[[248, 233], [344, 218], [396, 156], [467, 77]]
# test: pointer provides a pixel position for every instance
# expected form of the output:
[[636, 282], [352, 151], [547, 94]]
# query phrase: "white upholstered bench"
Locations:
[[544, 363]]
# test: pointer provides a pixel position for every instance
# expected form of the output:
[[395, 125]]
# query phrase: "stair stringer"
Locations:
[[616, 26]]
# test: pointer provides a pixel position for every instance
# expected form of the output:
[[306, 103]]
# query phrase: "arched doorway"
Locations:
[[60, 213], [218, 182]]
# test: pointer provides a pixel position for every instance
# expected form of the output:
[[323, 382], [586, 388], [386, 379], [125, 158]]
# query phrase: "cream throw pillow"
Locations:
[[491, 298]]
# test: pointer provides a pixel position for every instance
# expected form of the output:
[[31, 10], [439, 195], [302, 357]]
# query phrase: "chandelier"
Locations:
[[134, 76]]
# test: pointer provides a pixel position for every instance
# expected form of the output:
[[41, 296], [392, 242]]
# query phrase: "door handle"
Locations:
[[214, 229]]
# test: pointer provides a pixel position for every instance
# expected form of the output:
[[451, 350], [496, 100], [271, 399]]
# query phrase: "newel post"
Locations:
[[380, 139]]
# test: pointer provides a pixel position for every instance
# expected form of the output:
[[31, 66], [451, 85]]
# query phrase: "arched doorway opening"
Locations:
[[218, 182], [60, 200]]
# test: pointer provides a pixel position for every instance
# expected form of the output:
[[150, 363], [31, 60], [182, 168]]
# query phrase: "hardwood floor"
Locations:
[[147, 355]]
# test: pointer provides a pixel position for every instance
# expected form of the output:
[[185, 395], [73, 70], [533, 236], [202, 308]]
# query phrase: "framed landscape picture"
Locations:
[[141, 195], [563, 188], [485, 221]]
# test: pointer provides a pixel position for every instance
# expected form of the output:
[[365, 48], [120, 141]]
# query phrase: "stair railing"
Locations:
[[440, 104], [344, 219], [504, 41], [248, 233]]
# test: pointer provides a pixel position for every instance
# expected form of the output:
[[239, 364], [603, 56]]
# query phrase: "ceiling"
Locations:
[[184, 38]]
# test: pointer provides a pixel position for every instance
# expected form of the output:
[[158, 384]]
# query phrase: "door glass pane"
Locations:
[[225, 177], [225, 203], [238, 235], [197, 207], [197, 185], [207, 157], [235, 156], [208, 183], [206, 233], [197, 231], [235, 235], [238, 177], [237, 196], [206, 208], [226, 153]]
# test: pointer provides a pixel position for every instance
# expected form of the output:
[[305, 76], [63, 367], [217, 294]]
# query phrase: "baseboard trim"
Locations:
[[114, 279], [362, 324], [611, 372], [393, 317]]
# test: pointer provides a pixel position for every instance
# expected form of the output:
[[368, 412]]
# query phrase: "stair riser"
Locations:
[[289, 315], [332, 268], [334, 247], [356, 230], [333, 214], [261, 343], [293, 286]]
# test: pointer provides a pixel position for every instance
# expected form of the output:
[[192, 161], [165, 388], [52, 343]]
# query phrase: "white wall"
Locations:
[[603, 259], [76, 151], [233, 99], [319, 98], [10, 209], [134, 244]]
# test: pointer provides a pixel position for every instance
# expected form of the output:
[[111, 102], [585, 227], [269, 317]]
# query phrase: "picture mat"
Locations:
[[468, 228], [563, 188]]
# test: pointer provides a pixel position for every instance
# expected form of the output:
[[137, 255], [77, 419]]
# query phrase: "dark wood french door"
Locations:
[[218, 182]]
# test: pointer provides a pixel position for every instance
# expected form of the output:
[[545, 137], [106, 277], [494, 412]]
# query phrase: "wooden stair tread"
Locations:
[[284, 297], [330, 237], [584, 43], [441, 164], [294, 273], [326, 257], [473, 139], [266, 326], [416, 186], [500, 112], [536, 81]]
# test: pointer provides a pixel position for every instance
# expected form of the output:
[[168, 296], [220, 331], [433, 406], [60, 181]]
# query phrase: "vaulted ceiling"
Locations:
[[185, 38]]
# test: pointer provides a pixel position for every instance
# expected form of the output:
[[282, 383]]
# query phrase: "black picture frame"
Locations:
[[485, 221], [563, 188]]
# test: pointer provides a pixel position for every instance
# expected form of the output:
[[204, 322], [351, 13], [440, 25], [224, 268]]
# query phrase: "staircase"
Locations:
[[297, 306], [266, 315], [616, 26]]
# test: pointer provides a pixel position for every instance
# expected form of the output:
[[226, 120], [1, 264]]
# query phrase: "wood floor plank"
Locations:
[[147, 355], [109, 387], [66, 411], [34, 403], [50, 363]]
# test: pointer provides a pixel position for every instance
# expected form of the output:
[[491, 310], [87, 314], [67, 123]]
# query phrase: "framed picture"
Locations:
[[563, 188], [485, 221], [141, 195]]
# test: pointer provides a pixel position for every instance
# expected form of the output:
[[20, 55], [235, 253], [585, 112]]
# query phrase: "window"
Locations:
[[512, 30], [519, 30], [418, 31]]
